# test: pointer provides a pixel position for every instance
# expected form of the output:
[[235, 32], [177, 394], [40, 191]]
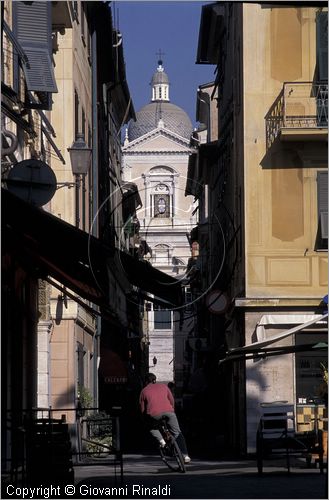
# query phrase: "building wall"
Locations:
[[281, 213], [280, 187], [74, 78], [166, 345], [266, 379], [267, 187]]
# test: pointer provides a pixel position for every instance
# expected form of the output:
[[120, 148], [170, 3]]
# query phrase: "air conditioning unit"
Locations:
[[198, 344]]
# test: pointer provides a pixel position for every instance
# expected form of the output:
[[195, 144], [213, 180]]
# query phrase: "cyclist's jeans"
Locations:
[[174, 428]]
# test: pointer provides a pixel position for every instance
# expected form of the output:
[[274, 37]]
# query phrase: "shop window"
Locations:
[[309, 369], [162, 318]]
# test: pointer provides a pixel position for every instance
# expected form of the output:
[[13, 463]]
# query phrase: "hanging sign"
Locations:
[[217, 302]]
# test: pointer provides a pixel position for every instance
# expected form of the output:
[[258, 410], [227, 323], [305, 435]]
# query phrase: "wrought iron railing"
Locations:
[[300, 105], [48, 443]]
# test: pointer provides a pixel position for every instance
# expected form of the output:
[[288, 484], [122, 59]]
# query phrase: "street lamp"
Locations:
[[80, 156]]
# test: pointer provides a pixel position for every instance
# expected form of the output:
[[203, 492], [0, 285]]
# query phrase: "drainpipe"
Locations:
[[96, 346]]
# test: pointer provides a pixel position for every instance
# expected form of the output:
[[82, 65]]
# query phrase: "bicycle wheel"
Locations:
[[172, 456]]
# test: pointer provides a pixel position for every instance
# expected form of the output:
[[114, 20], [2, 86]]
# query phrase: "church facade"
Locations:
[[155, 157]]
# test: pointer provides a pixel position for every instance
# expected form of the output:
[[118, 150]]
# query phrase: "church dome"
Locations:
[[159, 77], [173, 117]]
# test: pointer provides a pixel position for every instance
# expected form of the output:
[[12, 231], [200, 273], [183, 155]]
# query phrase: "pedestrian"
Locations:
[[156, 401]]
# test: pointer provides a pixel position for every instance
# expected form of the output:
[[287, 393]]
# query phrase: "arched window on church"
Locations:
[[160, 184], [161, 201]]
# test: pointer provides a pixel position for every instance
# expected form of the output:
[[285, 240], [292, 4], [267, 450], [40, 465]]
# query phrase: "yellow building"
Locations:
[[270, 198], [58, 87]]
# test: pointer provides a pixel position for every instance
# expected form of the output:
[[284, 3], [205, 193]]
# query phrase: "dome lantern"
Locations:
[[160, 84]]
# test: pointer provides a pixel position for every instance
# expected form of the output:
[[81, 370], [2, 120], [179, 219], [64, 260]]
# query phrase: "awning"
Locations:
[[210, 151], [49, 246], [193, 186], [141, 274], [260, 349]]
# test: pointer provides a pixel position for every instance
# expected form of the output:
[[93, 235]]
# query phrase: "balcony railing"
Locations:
[[300, 105]]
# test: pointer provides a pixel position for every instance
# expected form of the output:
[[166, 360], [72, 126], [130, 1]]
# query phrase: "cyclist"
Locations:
[[157, 401]]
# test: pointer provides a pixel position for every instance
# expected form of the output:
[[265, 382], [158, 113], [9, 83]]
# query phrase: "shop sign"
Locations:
[[217, 302]]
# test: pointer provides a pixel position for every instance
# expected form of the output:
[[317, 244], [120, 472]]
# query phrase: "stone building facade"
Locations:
[[155, 156]]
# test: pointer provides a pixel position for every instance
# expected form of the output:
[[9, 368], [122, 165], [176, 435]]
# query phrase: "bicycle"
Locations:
[[170, 454]]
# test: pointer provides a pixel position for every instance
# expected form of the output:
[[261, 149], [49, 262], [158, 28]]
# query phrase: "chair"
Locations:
[[276, 436]]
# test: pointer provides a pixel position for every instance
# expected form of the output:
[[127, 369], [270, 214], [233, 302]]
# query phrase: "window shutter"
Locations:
[[323, 202], [32, 24], [322, 44]]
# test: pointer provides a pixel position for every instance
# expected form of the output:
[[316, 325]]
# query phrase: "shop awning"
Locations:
[[48, 246], [261, 348]]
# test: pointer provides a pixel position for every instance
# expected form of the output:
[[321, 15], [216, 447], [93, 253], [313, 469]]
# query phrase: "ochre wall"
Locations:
[[281, 213]]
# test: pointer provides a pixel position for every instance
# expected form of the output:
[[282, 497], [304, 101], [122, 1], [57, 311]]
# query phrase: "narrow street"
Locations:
[[203, 479]]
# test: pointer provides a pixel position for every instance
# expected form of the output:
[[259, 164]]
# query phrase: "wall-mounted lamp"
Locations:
[[155, 361], [80, 156]]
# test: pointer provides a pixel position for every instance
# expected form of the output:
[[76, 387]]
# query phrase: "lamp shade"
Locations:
[[80, 156]]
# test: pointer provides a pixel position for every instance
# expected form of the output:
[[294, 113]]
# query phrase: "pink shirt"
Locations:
[[156, 399]]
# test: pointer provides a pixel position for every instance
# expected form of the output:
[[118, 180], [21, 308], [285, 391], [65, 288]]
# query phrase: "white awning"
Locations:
[[277, 320], [256, 346]]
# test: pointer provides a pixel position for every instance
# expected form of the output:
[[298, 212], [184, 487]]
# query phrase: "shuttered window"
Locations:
[[76, 114], [322, 180], [322, 44], [32, 27]]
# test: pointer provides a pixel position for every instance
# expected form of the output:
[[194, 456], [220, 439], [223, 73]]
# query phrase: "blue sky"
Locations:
[[172, 27]]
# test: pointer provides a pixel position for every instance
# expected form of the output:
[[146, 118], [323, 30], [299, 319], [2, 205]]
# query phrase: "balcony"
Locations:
[[300, 112]]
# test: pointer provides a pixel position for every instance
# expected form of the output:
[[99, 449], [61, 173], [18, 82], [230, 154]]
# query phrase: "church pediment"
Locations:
[[158, 140]]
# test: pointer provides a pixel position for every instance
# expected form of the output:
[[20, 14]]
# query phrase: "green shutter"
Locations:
[[323, 202], [322, 44], [32, 25]]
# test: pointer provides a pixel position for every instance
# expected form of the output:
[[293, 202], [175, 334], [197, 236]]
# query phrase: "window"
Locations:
[[322, 45], [83, 124], [76, 113], [32, 29], [162, 318], [161, 201], [160, 184], [76, 10], [161, 205], [322, 188], [162, 254], [309, 374], [83, 24]]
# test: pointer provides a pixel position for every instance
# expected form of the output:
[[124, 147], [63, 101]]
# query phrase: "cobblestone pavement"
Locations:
[[145, 476]]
